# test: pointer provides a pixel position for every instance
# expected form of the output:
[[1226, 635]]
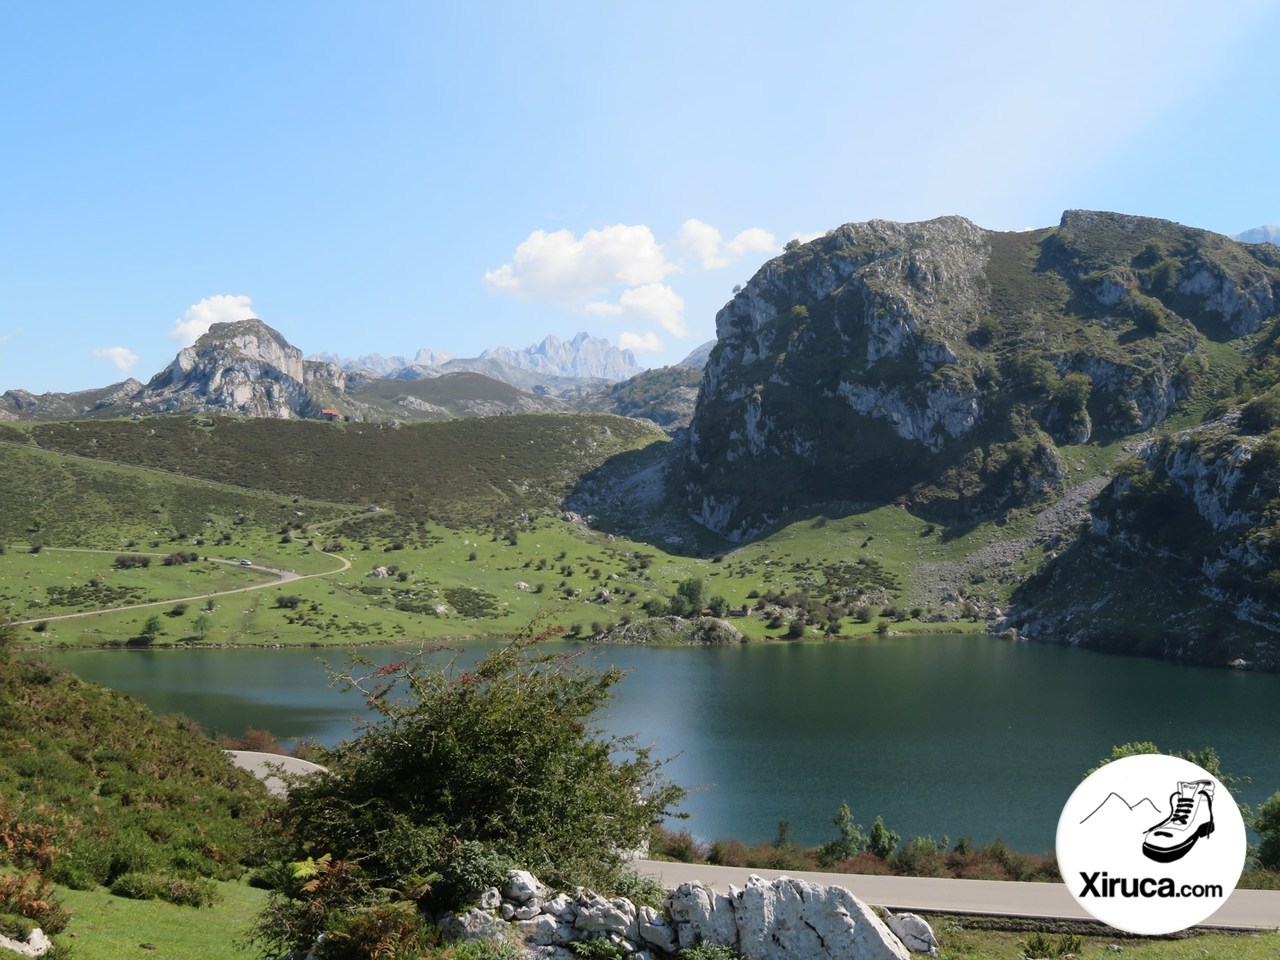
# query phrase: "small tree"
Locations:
[[849, 842], [1266, 823], [152, 628], [882, 841], [718, 606], [202, 623]]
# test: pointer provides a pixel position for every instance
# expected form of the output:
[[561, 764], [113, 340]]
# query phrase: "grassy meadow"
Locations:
[[411, 581], [449, 532]]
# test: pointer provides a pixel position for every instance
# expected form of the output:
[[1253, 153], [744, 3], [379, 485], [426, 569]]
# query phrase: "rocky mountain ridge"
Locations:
[[249, 369], [940, 364], [246, 367], [583, 357], [1269, 233]]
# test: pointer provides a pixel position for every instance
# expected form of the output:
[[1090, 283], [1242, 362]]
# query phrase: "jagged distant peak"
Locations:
[[1268, 233], [584, 357], [431, 358]]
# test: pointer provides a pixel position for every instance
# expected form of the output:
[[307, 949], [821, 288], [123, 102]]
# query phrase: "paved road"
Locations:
[[1252, 909], [282, 576], [267, 766]]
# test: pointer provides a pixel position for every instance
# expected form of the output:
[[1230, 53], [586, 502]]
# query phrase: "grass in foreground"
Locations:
[[973, 937], [106, 927]]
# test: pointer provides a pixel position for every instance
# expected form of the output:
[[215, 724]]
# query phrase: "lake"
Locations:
[[957, 735]]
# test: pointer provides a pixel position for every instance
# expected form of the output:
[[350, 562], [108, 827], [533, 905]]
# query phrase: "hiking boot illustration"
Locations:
[[1190, 818]]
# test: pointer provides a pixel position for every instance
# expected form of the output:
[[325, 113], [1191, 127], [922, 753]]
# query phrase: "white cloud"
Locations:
[[602, 308], [222, 308], [122, 358], [753, 240], [657, 302], [567, 269], [702, 242], [646, 342]]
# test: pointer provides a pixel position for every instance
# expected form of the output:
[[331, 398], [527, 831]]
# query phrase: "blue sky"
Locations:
[[388, 176]]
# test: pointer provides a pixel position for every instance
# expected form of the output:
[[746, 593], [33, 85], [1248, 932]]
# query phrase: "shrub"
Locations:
[[30, 896], [152, 886], [483, 950], [639, 890], [680, 846], [920, 857], [470, 868], [600, 949], [15, 927], [1266, 823], [462, 771], [9, 631], [708, 951], [259, 741], [728, 853], [389, 930]]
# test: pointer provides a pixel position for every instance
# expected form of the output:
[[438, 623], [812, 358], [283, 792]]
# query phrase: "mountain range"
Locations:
[[248, 368], [582, 358], [1094, 405]]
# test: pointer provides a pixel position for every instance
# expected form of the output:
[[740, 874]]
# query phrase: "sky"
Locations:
[[388, 176]]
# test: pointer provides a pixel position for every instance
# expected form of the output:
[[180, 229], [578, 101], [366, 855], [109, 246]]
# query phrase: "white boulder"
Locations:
[[915, 933]]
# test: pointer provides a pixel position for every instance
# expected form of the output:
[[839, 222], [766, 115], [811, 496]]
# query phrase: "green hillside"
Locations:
[[487, 470], [57, 500]]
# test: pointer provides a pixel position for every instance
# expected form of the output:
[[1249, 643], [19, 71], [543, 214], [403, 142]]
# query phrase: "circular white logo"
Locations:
[[1151, 844]]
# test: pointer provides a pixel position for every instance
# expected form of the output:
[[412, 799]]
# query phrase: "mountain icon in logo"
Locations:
[[1116, 812]]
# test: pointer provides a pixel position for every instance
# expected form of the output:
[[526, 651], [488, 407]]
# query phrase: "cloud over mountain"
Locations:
[[567, 269], [221, 308], [122, 358]]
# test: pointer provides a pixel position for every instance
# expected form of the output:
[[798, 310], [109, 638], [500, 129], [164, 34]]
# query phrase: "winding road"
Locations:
[[282, 576]]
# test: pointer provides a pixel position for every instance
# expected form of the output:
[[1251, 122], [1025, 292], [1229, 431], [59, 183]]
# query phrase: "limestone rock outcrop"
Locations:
[[243, 367], [934, 363], [783, 919]]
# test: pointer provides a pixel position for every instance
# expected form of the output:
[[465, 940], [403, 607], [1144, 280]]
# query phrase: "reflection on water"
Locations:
[[941, 735]]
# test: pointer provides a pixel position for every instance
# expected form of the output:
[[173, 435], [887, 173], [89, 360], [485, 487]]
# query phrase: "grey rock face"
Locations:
[[698, 356], [865, 365], [783, 919], [1265, 234], [243, 367]]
